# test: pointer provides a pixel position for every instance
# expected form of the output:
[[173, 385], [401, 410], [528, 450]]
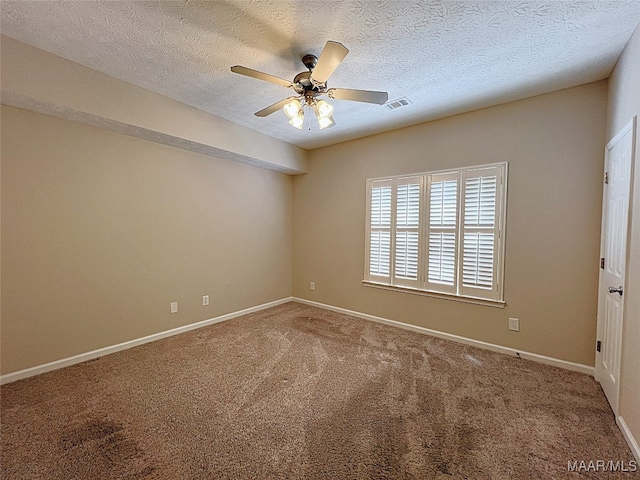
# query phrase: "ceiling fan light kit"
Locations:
[[312, 84]]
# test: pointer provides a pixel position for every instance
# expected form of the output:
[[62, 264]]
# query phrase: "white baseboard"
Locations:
[[628, 436], [83, 357], [576, 367]]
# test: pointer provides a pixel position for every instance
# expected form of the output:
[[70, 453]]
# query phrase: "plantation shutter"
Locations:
[[407, 232], [481, 232], [379, 231], [442, 226], [439, 232]]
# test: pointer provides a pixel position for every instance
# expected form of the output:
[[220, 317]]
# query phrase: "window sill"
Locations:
[[445, 296]]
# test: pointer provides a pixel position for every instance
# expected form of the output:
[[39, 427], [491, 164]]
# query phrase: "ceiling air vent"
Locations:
[[400, 102]]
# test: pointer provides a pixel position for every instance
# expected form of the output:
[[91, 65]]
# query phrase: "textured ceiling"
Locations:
[[445, 56]]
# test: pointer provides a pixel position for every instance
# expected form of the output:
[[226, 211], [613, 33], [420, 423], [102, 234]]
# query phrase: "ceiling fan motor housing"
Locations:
[[303, 85]]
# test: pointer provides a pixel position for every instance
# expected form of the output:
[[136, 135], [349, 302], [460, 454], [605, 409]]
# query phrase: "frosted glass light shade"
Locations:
[[325, 122], [324, 109], [297, 121], [292, 108]]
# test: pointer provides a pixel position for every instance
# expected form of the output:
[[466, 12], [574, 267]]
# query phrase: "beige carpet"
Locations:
[[295, 392]]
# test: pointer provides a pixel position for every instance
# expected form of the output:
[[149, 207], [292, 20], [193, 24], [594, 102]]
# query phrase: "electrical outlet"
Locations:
[[514, 324], [312, 286], [174, 307], [205, 300]]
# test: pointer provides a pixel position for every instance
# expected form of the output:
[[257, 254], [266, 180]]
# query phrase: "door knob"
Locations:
[[616, 290]]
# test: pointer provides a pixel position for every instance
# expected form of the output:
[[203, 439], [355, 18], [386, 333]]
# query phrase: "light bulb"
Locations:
[[292, 108], [325, 122], [324, 109], [298, 120]]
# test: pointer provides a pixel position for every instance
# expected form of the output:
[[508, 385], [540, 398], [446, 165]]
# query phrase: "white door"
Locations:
[[613, 253]]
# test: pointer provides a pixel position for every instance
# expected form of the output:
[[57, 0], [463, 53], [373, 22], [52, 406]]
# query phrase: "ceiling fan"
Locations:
[[312, 84]]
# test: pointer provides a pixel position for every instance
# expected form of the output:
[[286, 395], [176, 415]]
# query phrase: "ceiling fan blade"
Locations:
[[260, 76], [273, 108], [332, 55], [367, 96]]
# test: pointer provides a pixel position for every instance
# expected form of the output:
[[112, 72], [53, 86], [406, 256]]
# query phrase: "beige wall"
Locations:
[[42, 82], [101, 231], [624, 104], [554, 146]]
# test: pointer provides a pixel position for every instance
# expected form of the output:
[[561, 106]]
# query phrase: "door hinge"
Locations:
[[602, 263], [606, 178], [598, 346]]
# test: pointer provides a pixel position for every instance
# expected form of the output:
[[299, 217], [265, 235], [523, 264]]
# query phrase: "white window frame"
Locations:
[[423, 284]]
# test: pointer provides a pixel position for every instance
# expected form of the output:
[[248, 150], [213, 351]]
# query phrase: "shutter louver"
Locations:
[[407, 255], [381, 207], [479, 238], [480, 202], [442, 257], [477, 261], [443, 205], [379, 253], [380, 231], [407, 231]]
